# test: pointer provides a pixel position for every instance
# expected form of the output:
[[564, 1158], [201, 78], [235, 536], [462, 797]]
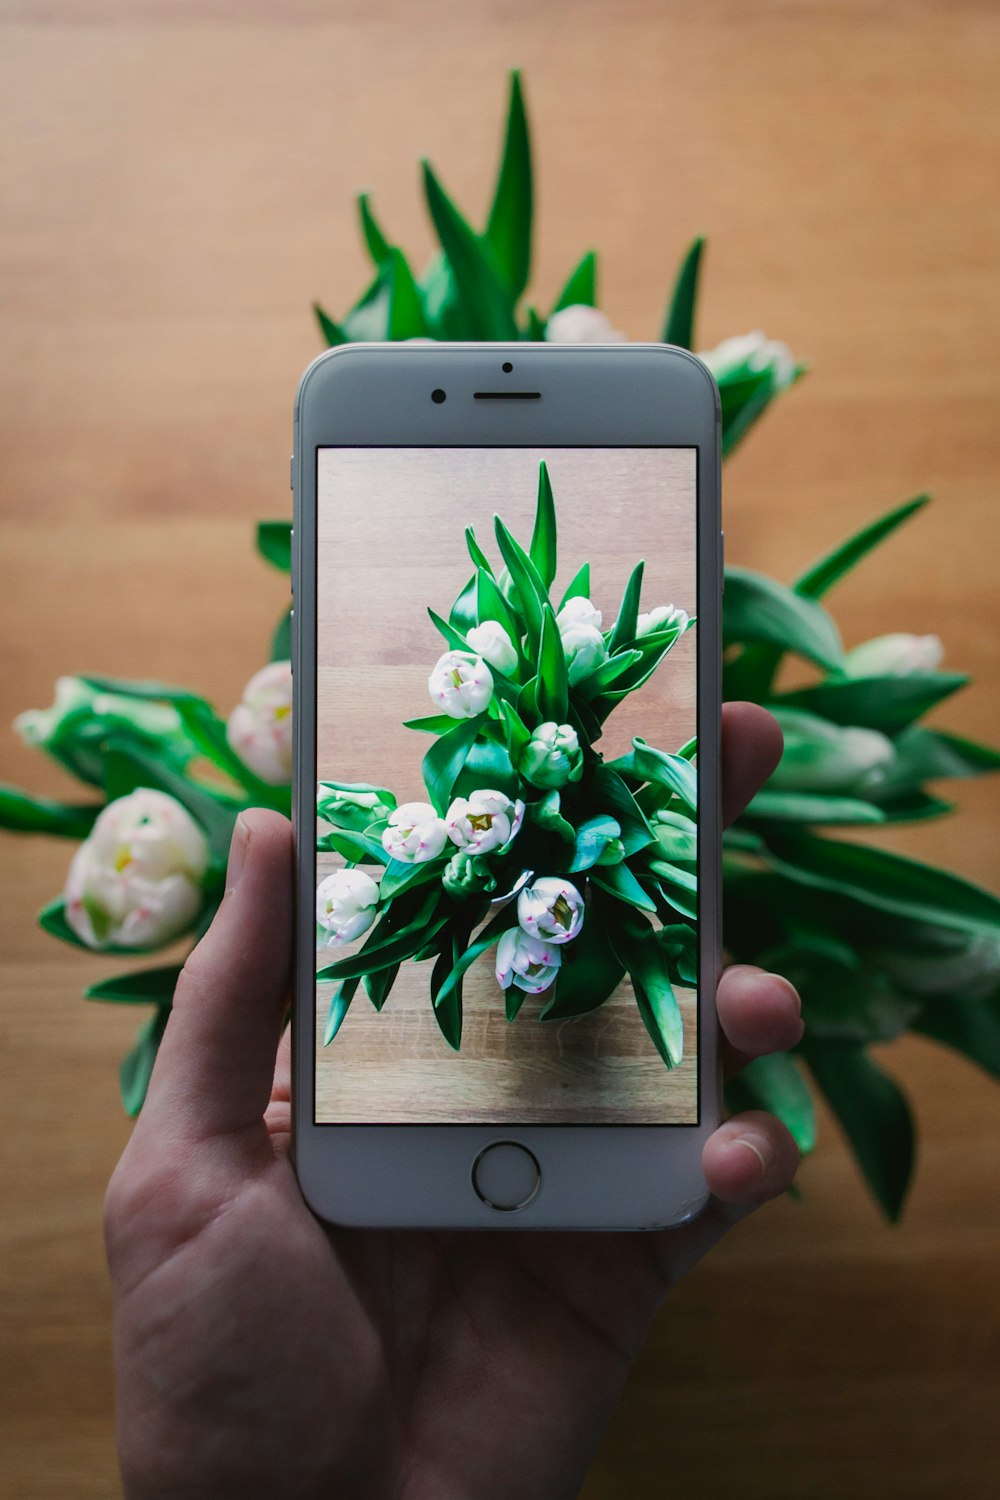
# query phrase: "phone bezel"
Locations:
[[610, 395]]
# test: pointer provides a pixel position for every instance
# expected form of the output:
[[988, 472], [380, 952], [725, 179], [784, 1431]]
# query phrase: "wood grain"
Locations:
[[176, 183]]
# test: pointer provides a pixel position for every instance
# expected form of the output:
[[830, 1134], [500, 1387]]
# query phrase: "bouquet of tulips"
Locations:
[[584, 868], [878, 945]]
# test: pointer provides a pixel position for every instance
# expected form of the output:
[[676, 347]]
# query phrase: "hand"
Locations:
[[262, 1355]]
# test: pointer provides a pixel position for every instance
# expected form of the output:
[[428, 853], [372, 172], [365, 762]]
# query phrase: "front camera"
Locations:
[[438, 396], [507, 367]]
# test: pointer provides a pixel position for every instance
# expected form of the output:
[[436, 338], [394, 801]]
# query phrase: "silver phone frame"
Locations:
[[594, 1177]]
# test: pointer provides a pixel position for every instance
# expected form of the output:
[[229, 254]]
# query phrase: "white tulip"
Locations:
[[527, 962], [346, 905], [260, 727], [579, 324], [551, 909], [461, 684], [136, 881], [414, 833], [578, 611], [490, 641], [661, 618], [894, 655], [753, 351], [484, 821], [832, 758], [584, 650]]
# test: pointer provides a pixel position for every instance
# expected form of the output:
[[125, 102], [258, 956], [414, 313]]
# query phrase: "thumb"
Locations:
[[215, 1065]]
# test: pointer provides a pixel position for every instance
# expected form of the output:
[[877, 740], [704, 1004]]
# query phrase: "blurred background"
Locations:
[[177, 182]]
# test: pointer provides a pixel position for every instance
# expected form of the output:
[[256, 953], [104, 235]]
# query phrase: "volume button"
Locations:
[[722, 562]]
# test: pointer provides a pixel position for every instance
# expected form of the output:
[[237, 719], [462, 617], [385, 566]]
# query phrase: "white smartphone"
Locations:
[[506, 647]]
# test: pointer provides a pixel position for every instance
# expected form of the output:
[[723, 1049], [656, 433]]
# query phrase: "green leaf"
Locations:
[[531, 590], [274, 543], [882, 880], [331, 331], [875, 1117], [462, 961], [646, 763], [757, 608], [487, 302], [678, 887], [543, 537], [137, 1065], [208, 732], [492, 605], [846, 997], [462, 614], [400, 876], [379, 984], [580, 289], [600, 680], [966, 1024], [634, 941], [406, 318], [611, 794], [619, 882], [546, 813], [592, 838], [508, 228], [353, 847], [775, 1083], [377, 244], [589, 974], [432, 724], [518, 734], [479, 558], [445, 759], [368, 319], [625, 626], [886, 703], [829, 570], [281, 640], [811, 807], [535, 330], [553, 680], [678, 327], [148, 986], [455, 638], [579, 587], [23, 813], [487, 764], [339, 1006]]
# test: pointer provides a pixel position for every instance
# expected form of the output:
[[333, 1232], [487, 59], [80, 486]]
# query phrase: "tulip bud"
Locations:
[[676, 835], [484, 821], [552, 756], [823, 757], [661, 618], [346, 906], [461, 684], [578, 611], [494, 645], [894, 656], [526, 962], [579, 324], [551, 909], [74, 730], [136, 881], [584, 650], [414, 833], [260, 727], [748, 354], [467, 875]]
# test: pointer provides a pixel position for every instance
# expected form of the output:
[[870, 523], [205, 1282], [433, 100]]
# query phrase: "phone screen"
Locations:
[[506, 866]]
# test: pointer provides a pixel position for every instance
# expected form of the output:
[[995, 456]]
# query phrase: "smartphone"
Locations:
[[506, 651]]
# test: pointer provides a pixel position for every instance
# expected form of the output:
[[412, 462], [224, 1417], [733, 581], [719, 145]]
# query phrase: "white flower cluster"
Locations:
[[549, 913]]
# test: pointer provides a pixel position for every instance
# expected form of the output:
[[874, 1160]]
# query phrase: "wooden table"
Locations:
[[177, 188]]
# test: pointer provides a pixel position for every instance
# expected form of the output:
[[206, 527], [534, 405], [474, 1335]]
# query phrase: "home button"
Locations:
[[506, 1176]]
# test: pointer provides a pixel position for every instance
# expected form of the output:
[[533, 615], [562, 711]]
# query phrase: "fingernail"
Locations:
[[237, 853], [793, 993], [761, 1148]]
